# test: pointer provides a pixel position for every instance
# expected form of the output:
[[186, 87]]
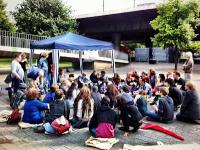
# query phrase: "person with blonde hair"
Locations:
[[83, 108], [190, 109], [188, 66], [24, 64]]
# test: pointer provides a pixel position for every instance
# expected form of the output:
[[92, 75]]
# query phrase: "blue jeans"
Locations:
[[153, 115]]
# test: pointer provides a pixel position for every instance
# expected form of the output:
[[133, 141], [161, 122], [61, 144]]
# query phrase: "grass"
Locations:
[[6, 62]]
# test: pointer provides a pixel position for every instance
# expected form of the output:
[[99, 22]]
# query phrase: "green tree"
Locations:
[[44, 17], [194, 47], [176, 23], [5, 24]]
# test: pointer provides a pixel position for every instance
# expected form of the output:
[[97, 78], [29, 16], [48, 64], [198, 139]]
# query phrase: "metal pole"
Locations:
[[81, 61], [31, 57], [55, 53], [113, 60], [103, 5]]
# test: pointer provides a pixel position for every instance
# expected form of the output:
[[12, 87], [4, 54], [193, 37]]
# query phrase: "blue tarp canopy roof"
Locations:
[[71, 41]]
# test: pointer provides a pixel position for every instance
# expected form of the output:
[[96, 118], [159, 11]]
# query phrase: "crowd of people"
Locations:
[[100, 102]]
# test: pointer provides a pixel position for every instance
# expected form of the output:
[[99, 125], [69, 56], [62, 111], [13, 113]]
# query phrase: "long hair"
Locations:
[[69, 93], [85, 96], [112, 91]]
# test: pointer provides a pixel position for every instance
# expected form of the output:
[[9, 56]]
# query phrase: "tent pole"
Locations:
[[55, 58], [113, 60], [81, 61], [31, 57]]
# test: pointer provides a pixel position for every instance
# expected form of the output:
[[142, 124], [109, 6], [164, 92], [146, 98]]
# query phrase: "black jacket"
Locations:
[[166, 108], [176, 95], [57, 109], [191, 105], [103, 115], [129, 112]]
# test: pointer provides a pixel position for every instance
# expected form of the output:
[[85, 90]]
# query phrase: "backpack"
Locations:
[[15, 117], [16, 99], [61, 124]]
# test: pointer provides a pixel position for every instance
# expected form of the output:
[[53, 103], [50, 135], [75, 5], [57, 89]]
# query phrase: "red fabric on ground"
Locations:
[[161, 129]]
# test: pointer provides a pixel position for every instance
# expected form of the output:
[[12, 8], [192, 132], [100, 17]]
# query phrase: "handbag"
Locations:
[[15, 117], [61, 124], [8, 79]]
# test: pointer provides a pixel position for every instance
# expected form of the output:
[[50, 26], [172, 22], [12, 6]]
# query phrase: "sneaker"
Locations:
[[39, 129]]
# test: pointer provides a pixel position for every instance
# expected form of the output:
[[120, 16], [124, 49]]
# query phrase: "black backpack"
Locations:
[[16, 98]]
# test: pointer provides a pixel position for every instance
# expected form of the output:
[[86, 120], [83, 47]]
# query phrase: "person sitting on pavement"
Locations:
[[112, 93], [164, 112], [129, 115], [162, 82], [126, 94], [116, 80], [57, 107], [153, 78], [33, 108], [103, 121], [175, 93], [71, 94], [129, 79], [178, 80], [50, 96], [94, 77], [83, 108], [190, 109], [144, 88], [82, 80], [61, 76], [96, 97], [102, 83]]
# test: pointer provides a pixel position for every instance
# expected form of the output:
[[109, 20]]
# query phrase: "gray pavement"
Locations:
[[11, 137]]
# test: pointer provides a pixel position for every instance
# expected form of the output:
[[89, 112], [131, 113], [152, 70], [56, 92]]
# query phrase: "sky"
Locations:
[[91, 6]]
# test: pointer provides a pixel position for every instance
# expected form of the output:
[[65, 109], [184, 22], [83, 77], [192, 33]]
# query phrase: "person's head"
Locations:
[[84, 92], [84, 74], [103, 73], [116, 75], [53, 88], [189, 55], [126, 89], [61, 71], [190, 86], [142, 81], [94, 72], [44, 54], [105, 101], [162, 77], [18, 57], [32, 94], [120, 101], [95, 89], [59, 94], [23, 55], [170, 82], [129, 75], [69, 92], [152, 72], [164, 91], [176, 75]]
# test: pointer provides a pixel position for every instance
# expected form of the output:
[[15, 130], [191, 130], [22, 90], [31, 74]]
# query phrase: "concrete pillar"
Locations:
[[116, 41]]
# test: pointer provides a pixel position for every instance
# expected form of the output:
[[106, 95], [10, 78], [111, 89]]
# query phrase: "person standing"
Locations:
[[188, 66], [17, 72], [23, 63]]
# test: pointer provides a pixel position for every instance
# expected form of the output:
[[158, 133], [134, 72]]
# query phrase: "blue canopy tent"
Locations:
[[70, 41]]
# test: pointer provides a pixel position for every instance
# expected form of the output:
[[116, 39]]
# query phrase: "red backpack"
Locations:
[[60, 125], [15, 117]]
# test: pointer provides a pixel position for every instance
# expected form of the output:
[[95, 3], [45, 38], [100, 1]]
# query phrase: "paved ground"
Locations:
[[11, 137]]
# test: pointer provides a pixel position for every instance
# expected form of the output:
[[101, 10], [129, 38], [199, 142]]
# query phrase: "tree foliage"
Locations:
[[176, 23], [5, 24], [44, 17], [194, 47]]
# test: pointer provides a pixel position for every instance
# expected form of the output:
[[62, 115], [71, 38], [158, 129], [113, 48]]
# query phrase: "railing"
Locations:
[[14, 39], [21, 40]]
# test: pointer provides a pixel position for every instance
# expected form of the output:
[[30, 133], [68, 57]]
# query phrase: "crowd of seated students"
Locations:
[[101, 102]]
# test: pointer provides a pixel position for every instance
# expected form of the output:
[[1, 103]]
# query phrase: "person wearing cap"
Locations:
[[102, 123], [164, 112]]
